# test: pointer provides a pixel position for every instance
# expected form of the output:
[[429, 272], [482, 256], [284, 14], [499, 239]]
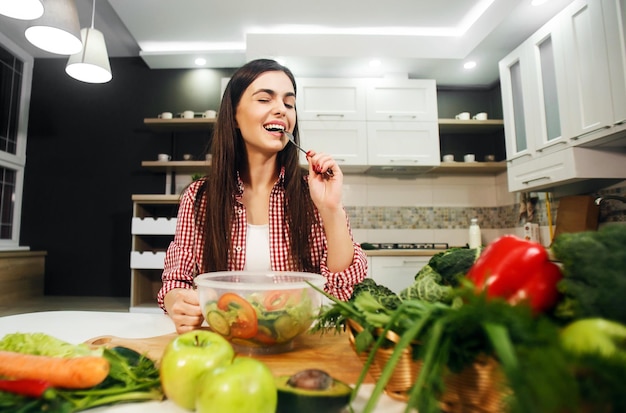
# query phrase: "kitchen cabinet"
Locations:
[[394, 144], [328, 99], [589, 106], [533, 87], [390, 123], [402, 130], [560, 90], [344, 140], [565, 167], [614, 14], [403, 100], [152, 229], [396, 272]]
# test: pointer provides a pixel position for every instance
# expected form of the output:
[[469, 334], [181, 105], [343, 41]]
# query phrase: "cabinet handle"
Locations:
[[403, 116], [404, 262], [575, 138], [404, 160], [551, 145], [337, 115], [535, 179], [519, 157], [619, 122]]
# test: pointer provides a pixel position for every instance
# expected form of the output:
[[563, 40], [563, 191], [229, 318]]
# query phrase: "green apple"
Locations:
[[245, 386], [186, 358]]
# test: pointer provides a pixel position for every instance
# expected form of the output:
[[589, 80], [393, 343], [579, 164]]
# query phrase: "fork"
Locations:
[[329, 172]]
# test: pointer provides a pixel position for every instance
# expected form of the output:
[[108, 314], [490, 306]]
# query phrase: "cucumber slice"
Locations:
[[286, 327], [218, 323]]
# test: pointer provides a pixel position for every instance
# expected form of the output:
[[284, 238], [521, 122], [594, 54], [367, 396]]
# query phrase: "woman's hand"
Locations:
[[183, 307], [325, 189]]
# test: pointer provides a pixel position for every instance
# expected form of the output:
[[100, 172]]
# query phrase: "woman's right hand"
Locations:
[[183, 307]]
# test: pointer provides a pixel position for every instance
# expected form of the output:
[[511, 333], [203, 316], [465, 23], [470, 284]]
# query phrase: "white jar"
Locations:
[[474, 234]]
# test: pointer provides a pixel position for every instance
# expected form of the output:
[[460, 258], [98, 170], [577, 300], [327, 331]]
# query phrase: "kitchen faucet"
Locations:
[[602, 199]]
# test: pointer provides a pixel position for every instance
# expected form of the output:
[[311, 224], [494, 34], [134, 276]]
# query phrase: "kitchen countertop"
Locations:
[[403, 253], [82, 326]]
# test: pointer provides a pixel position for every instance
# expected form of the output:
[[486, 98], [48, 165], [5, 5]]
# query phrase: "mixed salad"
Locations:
[[261, 318]]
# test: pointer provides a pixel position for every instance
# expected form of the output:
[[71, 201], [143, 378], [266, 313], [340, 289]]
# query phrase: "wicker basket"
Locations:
[[476, 389]]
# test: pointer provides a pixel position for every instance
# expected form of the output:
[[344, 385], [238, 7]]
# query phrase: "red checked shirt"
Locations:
[[184, 256]]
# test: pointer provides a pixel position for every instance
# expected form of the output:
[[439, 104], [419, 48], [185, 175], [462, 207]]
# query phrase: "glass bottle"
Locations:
[[474, 234]]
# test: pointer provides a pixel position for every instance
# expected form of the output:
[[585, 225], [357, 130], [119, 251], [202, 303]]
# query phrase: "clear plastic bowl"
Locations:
[[259, 312]]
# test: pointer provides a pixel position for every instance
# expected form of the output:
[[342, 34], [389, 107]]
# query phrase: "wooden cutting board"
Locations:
[[330, 352]]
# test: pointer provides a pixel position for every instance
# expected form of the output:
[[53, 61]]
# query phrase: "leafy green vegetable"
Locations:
[[452, 337], [453, 263], [44, 345], [435, 281], [379, 292], [132, 378], [594, 269], [428, 287]]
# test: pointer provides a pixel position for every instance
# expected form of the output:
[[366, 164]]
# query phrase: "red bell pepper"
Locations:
[[517, 270], [25, 387]]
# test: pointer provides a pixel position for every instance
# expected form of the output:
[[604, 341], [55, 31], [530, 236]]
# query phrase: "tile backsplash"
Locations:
[[438, 208]]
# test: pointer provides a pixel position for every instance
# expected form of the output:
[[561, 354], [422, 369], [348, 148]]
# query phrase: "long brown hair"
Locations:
[[229, 157]]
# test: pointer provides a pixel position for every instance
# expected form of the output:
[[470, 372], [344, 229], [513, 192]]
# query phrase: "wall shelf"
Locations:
[[470, 126], [182, 167], [478, 168], [179, 124]]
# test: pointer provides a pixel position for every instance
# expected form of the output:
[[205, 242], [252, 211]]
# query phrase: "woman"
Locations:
[[257, 209]]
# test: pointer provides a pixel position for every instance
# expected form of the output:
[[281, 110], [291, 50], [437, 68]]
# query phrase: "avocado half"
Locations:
[[311, 391]]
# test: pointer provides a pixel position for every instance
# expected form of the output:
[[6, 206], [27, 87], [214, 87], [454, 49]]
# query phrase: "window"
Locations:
[[15, 82]]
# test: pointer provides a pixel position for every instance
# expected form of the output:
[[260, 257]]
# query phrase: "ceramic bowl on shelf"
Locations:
[[259, 312]]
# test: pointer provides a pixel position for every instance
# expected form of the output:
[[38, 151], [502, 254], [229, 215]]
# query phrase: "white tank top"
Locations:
[[258, 248]]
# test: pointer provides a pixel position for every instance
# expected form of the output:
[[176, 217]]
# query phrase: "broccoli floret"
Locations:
[[379, 292], [594, 270], [453, 263]]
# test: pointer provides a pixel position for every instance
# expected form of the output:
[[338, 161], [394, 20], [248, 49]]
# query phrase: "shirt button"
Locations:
[[240, 211], [238, 249]]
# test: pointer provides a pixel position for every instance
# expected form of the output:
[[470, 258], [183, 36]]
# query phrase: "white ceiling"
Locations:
[[325, 38]]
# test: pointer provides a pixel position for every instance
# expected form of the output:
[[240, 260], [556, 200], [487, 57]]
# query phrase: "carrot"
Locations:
[[65, 372]]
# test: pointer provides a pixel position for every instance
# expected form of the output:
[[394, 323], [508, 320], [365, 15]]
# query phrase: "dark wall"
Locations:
[[85, 147]]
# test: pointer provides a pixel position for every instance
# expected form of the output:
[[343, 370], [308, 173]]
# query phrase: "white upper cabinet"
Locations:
[[614, 13], [344, 140], [370, 122], [403, 144], [402, 100], [533, 92], [331, 99], [563, 88], [589, 107]]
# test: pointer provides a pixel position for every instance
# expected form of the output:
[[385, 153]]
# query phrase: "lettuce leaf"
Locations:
[[42, 344]]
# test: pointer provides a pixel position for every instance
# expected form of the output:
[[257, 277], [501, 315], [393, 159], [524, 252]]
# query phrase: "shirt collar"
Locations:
[[279, 182]]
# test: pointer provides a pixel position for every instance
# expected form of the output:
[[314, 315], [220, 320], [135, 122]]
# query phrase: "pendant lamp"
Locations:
[[91, 64], [21, 9], [58, 30]]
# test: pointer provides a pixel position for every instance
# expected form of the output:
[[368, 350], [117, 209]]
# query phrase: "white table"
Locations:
[[79, 326]]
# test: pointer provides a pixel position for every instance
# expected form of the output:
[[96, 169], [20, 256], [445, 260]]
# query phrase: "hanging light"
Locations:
[[58, 30], [91, 64], [21, 9]]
